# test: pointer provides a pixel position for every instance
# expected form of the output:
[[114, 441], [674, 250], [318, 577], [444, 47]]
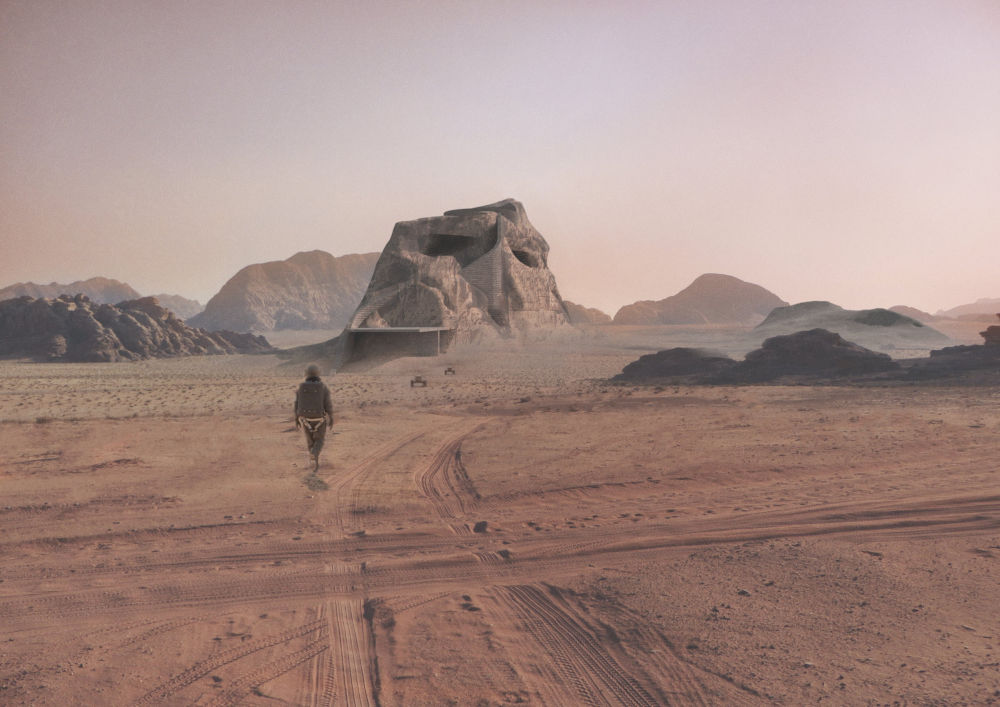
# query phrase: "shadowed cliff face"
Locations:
[[311, 290], [77, 329], [481, 271]]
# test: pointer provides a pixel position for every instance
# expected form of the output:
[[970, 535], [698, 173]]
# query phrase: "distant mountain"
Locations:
[[181, 306], [311, 290], [981, 306], [101, 290], [710, 299], [578, 314], [77, 329], [913, 313], [878, 329]]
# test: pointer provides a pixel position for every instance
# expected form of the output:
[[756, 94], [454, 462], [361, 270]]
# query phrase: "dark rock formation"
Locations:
[[962, 362], [77, 329], [992, 334], [675, 364], [710, 299], [578, 314], [100, 290], [181, 306], [475, 272], [312, 290], [878, 329], [813, 353]]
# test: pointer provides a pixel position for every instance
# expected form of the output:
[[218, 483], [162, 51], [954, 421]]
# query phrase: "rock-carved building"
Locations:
[[469, 275]]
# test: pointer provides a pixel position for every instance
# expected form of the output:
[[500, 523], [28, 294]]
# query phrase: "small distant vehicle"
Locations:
[[449, 371], [418, 380]]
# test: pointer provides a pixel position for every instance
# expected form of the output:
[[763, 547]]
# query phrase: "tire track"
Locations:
[[586, 666], [242, 686], [344, 520], [445, 482], [201, 668], [943, 516], [353, 656]]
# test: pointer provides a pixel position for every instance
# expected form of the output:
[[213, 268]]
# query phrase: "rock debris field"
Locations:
[[522, 532]]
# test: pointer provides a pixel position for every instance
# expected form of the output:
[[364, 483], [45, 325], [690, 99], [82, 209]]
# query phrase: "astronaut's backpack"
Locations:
[[310, 399]]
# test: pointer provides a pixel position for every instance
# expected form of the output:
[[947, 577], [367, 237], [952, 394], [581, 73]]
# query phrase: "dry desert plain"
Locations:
[[520, 533]]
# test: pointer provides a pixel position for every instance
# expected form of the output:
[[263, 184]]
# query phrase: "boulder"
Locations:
[[77, 329]]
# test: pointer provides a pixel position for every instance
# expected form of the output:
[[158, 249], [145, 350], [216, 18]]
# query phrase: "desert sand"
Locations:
[[521, 532]]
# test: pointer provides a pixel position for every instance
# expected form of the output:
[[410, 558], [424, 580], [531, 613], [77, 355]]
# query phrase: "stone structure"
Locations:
[[77, 329], [467, 275]]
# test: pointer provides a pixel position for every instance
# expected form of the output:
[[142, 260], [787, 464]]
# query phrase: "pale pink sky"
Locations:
[[847, 150]]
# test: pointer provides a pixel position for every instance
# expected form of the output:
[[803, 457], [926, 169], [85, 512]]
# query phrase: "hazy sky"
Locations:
[[830, 149]]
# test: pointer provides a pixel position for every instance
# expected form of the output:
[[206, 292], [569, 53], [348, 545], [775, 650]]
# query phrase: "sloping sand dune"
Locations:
[[519, 533]]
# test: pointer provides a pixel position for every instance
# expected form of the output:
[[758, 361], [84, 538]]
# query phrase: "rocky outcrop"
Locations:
[[710, 299], [101, 290], [310, 290], [181, 306], [962, 362], [877, 329], [78, 329], [675, 364], [476, 272], [805, 355], [992, 334], [578, 314], [813, 353]]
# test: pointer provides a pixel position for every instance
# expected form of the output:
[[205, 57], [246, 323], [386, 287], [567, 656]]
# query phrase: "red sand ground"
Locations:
[[638, 546]]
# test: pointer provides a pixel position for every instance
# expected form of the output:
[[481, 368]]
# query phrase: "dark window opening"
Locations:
[[527, 258], [446, 244]]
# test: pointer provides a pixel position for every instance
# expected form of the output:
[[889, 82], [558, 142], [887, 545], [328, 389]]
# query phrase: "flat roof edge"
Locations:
[[400, 329]]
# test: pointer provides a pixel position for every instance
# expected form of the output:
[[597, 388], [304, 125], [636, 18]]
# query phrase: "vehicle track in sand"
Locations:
[[445, 482], [353, 656], [239, 688], [589, 670], [340, 485], [66, 596], [203, 667]]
